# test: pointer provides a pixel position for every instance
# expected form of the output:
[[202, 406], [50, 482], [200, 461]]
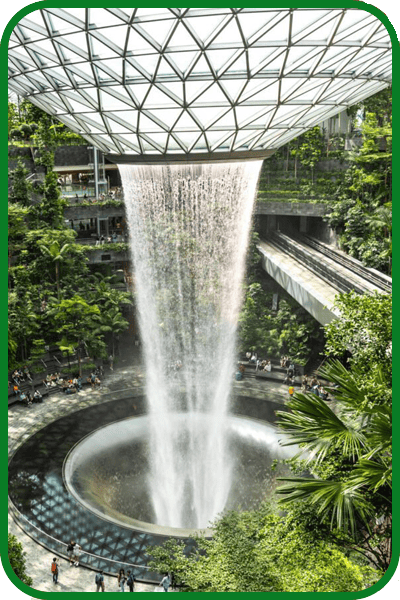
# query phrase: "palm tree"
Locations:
[[112, 321], [56, 254], [358, 491]]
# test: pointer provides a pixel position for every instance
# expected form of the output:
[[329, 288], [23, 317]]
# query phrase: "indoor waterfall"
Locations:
[[189, 227]]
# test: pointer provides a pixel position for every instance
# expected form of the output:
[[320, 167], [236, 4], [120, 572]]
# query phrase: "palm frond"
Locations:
[[316, 428], [338, 500]]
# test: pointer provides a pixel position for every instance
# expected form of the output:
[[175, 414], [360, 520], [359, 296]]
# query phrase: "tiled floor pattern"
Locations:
[[23, 421]]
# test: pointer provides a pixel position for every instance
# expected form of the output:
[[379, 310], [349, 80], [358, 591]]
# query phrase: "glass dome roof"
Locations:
[[196, 81]]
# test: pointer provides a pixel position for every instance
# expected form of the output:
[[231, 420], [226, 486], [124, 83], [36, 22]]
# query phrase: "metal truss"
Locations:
[[187, 82]]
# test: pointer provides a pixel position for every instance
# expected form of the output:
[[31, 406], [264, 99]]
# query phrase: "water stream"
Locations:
[[189, 227]]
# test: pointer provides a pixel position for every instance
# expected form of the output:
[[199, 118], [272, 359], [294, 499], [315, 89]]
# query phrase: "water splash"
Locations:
[[189, 227]]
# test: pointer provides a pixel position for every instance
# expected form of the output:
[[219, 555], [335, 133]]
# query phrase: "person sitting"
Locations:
[[304, 384], [27, 373], [46, 383], [16, 390], [248, 355], [268, 366], [37, 396], [253, 358], [323, 393], [97, 383]]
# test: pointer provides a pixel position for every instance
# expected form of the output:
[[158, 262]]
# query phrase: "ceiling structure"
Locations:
[[188, 83]]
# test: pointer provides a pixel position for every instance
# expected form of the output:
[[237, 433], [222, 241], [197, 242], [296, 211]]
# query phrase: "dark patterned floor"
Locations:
[[47, 511]]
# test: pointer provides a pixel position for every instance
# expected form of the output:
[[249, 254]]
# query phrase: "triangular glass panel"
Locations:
[[176, 89], [233, 87], [200, 146], [168, 116], [251, 25], [158, 30], [100, 50], [128, 118], [181, 38], [239, 66], [101, 17], [204, 26], [108, 102], [278, 33], [245, 113], [149, 14], [258, 56], [139, 91], [214, 138], [115, 127], [76, 16], [219, 58], [64, 27], [173, 146], [164, 68], [76, 44], [226, 122], [148, 147], [194, 89], [201, 67], [256, 92], [137, 45], [109, 69], [230, 34], [30, 34], [183, 59], [147, 125], [94, 118], [115, 37], [225, 144], [133, 74], [157, 98], [160, 139], [186, 122], [213, 95], [206, 116], [244, 138]]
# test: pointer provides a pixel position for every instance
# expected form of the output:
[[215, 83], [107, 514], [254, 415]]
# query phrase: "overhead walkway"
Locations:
[[313, 273]]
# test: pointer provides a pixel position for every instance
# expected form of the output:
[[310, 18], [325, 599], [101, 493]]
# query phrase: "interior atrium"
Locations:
[[199, 296]]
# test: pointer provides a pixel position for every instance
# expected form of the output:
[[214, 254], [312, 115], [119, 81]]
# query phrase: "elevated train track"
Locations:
[[340, 271]]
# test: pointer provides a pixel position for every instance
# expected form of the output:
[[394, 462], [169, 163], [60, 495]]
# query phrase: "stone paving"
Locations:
[[24, 421]]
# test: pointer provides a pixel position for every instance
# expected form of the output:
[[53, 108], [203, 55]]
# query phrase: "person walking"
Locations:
[[99, 581], [130, 581], [54, 570], [166, 582], [77, 554], [121, 579]]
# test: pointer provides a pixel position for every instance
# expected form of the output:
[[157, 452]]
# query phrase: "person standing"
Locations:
[[99, 580], [77, 554], [130, 581], [166, 582], [54, 570], [121, 579], [70, 552]]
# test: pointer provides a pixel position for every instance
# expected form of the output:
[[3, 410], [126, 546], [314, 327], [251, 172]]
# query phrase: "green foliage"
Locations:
[[260, 551], [348, 451], [365, 329], [21, 187], [361, 203], [289, 330], [16, 556]]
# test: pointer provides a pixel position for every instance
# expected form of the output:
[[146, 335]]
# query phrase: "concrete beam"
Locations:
[[313, 294]]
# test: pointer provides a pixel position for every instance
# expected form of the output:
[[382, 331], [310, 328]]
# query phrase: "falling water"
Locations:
[[189, 227]]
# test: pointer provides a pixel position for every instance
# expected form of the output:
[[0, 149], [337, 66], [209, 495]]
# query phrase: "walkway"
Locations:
[[24, 421]]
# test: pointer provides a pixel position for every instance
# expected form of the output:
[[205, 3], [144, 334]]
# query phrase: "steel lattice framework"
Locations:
[[190, 82]]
